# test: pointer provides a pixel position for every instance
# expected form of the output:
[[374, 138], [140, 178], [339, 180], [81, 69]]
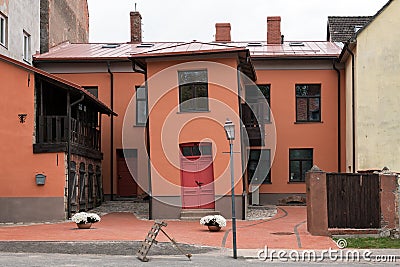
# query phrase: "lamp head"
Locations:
[[229, 129]]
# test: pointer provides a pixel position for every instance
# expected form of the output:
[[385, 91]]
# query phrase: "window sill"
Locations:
[[308, 122], [139, 125], [3, 45], [296, 182], [193, 111]]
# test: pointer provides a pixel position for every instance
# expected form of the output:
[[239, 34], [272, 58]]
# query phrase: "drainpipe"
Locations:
[[69, 146], [112, 130], [339, 149], [353, 120], [244, 193], [147, 137]]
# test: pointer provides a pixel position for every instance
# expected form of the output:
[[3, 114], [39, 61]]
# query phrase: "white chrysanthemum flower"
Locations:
[[216, 220]]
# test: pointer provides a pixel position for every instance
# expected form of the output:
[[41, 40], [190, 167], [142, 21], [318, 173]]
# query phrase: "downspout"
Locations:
[[147, 137], [244, 193], [339, 149], [353, 120], [69, 117], [112, 130]]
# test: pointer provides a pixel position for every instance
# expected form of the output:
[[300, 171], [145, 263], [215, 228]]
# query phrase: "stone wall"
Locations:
[[63, 20]]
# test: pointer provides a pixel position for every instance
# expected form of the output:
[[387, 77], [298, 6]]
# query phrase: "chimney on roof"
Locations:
[[136, 27], [274, 30], [222, 32]]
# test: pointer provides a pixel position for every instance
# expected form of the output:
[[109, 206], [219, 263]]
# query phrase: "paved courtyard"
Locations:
[[286, 229]]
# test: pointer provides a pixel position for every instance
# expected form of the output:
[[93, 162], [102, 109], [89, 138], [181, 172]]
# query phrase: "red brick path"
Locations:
[[278, 232]]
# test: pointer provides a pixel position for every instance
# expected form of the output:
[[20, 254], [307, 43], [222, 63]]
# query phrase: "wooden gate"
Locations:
[[353, 200]]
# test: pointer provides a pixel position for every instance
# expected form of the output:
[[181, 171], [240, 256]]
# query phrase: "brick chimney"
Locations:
[[222, 32], [274, 30], [136, 27]]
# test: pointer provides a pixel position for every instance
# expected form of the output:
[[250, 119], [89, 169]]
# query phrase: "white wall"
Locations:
[[378, 92], [23, 15]]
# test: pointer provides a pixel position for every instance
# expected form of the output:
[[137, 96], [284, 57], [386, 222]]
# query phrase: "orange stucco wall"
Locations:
[[124, 90], [169, 127], [18, 164], [321, 136]]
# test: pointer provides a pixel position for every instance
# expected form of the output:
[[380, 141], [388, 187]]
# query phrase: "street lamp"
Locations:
[[230, 135]]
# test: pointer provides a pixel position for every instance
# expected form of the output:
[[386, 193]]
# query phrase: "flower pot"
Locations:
[[84, 225], [213, 228]]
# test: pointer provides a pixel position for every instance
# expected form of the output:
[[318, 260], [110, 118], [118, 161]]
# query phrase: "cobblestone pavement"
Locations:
[[141, 209]]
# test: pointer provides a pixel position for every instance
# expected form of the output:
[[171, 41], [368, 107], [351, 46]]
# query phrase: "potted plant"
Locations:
[[213, 222], [84, 220]]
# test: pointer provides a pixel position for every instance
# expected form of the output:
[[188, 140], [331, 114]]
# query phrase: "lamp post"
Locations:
[[230, 135]]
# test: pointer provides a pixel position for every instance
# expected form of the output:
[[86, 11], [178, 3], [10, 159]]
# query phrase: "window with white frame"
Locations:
[[27, 47], [141, 106], [3, 29]]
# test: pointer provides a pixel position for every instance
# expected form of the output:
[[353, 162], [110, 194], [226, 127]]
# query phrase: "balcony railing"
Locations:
[[54, 130]]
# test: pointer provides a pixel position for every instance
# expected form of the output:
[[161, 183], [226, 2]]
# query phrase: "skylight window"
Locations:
[[110, 46], [357, 28], [254, 44], [144, 45], [296, 44]]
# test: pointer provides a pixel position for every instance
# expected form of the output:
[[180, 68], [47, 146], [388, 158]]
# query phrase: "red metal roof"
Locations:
[[292, 49], [67, 51], [73, 86], [190, 48]]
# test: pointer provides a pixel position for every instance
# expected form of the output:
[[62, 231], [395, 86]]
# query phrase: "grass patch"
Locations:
[[371, 242]]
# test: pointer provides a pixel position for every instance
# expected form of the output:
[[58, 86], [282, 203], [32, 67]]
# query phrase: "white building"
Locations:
[[20, 29]]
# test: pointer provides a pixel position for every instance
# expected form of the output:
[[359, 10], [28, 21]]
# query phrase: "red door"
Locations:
[[197, 177], [127, 186]]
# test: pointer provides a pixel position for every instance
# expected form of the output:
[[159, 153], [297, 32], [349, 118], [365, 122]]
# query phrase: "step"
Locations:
[[196, 214]]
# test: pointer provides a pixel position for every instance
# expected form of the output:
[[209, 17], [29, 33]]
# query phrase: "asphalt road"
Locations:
[[87, 260], [125, 248]]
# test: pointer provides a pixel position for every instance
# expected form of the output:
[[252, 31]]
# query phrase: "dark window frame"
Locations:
[[139, 99], [93, 90], [300, 160], [308, 98], [267, 179], [194, 101], [190, 150], [255, 99]]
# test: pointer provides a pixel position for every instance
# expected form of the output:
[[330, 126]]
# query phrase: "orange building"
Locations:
[[173, 99], [49, 126]]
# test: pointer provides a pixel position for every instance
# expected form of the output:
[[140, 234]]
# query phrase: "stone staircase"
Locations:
[[196, 214]]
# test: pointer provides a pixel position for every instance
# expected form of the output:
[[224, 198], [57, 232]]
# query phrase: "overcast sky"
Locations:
[[186, 20]]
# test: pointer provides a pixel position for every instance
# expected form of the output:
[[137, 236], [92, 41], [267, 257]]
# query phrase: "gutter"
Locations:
[[69, 147], [112, 130], [244, 193], [352, 106], [339, 149], [144, 72]]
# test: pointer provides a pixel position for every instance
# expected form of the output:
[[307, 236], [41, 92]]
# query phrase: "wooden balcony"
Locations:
[[52, 136]]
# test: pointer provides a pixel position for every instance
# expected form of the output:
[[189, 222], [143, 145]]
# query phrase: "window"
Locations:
[[259, 166], [256, 100], [308, 102], [300, 161], [3, 30], [141, 106], [94, 90], [196, 149], [27, 47], [193, 90]]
